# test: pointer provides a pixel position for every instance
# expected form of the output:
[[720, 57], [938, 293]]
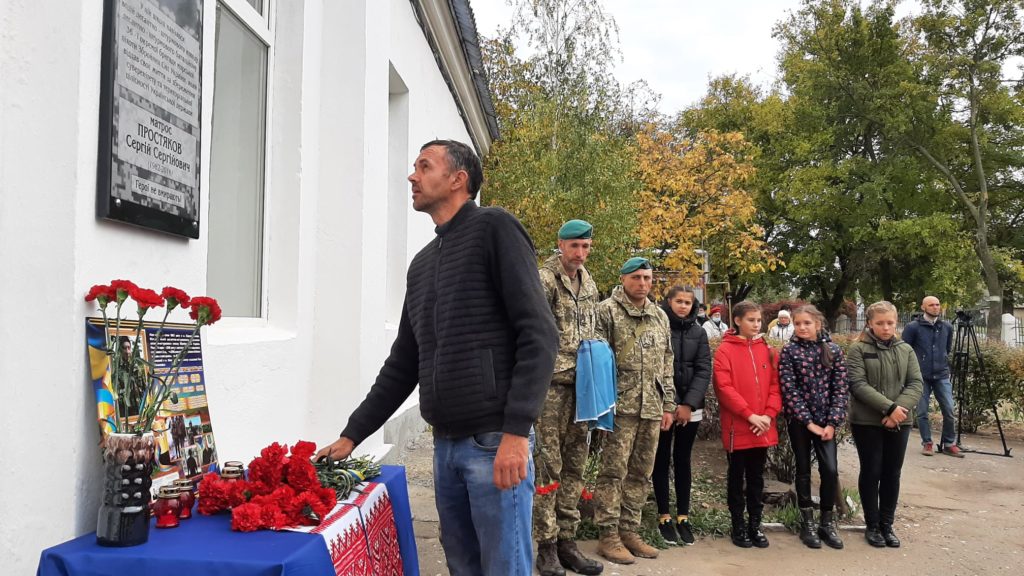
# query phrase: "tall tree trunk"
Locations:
[[885, 278], [995, 289], [832, 300]]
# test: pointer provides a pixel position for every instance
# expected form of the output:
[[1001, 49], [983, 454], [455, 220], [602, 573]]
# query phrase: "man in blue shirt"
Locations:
[[932, 339]]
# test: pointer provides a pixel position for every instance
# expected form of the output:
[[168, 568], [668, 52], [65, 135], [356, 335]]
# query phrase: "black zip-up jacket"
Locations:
[[476, 333], [692, 366]]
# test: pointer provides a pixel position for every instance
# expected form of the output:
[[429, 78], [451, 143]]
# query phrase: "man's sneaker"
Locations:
[[928, 449], [668, 531], [685, 532], [953, 450]]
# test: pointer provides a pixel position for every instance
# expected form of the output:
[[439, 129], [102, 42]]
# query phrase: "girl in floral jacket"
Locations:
[[815, 395]]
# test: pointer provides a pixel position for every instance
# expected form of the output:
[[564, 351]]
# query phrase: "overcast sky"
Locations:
[[676, 45]]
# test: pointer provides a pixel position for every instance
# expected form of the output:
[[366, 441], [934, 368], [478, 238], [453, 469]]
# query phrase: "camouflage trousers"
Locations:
[[627, 462], [560, 456]]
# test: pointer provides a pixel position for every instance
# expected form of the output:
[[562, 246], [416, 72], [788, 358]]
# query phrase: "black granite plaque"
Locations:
[[150, 114]]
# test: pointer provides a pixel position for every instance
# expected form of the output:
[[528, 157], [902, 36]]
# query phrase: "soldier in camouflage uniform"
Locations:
[[562, 447], [639, 333]]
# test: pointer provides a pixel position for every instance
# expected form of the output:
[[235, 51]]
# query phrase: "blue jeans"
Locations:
[[483, 530], [944, 394]]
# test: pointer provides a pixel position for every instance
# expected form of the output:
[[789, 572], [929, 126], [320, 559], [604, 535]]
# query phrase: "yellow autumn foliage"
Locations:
[[694, 196]]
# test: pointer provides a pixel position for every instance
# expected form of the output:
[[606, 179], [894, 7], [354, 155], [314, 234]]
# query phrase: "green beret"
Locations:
[[575, 229], [635, 263]]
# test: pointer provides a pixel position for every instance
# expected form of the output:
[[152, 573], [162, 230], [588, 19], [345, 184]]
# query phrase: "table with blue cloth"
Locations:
[[206, 545]]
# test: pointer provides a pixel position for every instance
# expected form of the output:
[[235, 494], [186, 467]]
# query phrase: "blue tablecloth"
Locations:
[[206, 545]]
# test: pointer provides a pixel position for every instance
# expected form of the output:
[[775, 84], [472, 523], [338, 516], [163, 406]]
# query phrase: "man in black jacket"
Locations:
[[478, 337]]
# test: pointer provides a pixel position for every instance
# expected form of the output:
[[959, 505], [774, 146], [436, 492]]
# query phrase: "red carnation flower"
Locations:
[[247, 518], [303, 450], [175, 297], [122, 288], [146, 299], [205, 310], [301, 475], [542, 490], [102, 293], [587, 494]]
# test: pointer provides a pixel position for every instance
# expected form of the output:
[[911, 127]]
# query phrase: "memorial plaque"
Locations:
[[150, 114]]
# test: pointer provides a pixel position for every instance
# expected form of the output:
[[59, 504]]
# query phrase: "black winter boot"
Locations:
[[571, 557], [547, 559], [757, 537], [827, 530], [739, 531], [808, 533], [874, 536], [889, 536]]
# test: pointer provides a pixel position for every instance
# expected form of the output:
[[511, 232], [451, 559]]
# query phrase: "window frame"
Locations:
[[262, 26]]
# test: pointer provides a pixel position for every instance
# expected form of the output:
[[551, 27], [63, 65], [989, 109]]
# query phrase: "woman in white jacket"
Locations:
[[783, 329]]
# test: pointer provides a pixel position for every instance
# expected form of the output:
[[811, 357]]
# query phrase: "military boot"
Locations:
[[547, 559], [807, 529], [827, 530], [636, 545], [571, 558], [610, 546]]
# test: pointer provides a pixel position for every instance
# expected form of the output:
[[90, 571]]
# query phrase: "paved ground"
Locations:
[[955, 517]]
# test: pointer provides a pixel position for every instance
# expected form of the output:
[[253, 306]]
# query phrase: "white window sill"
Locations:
[[235, 331]]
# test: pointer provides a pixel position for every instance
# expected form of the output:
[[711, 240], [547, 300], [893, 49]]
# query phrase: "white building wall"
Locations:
[[298, 372]]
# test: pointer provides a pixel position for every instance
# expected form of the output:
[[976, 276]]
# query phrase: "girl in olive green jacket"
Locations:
[[885, 386]]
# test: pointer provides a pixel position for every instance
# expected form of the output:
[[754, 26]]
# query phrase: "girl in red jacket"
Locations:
[[747, 386]]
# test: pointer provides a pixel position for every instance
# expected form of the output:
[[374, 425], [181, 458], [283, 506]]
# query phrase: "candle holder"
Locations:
[[167, 507], [186, 497]]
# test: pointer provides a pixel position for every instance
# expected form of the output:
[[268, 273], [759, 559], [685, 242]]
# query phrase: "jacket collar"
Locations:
[[468, 208], [677, 322]]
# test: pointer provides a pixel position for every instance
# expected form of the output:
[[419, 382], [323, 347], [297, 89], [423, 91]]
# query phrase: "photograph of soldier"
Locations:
[[639, 334], [562, 443], [135, 386]]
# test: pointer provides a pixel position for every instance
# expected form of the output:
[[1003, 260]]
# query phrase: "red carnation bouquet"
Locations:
[[135, 386], [282, 491]]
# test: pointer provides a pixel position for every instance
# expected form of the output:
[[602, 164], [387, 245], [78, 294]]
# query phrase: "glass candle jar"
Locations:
[[231, 475], [167, 507], [186, 497]]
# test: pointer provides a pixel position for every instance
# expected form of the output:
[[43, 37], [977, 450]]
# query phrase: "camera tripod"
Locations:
[[966, 345]]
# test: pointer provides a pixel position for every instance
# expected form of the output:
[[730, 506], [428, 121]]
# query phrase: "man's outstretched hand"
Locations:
[[337, 450]]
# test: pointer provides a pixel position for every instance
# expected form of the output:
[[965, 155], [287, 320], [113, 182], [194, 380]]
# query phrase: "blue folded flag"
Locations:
[[596, 382]]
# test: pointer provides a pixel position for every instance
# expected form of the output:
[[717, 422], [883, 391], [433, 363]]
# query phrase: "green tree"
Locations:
[[566, 149], [862, 212], [939, 94]]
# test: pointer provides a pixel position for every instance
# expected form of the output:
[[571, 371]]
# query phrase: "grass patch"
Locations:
[[709, 514]]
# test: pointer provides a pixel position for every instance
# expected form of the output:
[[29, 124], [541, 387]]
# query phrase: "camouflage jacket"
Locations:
[[642, 342], [574, 314]]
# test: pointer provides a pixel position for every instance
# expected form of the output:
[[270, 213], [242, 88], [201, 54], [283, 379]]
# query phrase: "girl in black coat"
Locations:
[[692, 374]]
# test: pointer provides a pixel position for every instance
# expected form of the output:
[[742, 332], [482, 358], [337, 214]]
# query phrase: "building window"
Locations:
[[399, 166], [238, 158]]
